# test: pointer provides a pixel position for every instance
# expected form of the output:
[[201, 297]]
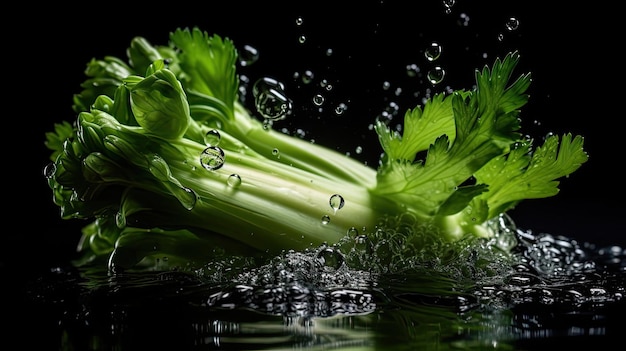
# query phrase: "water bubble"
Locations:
[[276, 152], [512, 24], [448, 4], [318, 99], [363, 244], [330, 257], [433, 52], [270, 99], [336, 202], [234, 180], [248, 56], [436, 75], [212, 137], [212, 158], [412, 70], [299, 21], [308, 77], [359, 150], [325, 219], [341, 108], [301, 39]]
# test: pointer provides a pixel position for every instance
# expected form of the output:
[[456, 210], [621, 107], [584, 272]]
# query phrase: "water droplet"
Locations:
[[352, 232], [362, 243], [186, 197], [301, 39], [336, 202], [512, 24], [358, 150], [412, 70], [436, 75], [248, 56], [270, 99], [212, 137], [276, 152], [234, 180], [318, 99], [307, 77], [330, 257], [448, 4], [212, 158], [433, 52], [299, 21], [49, 170], [340, 109], [120, 219], [325, 219]]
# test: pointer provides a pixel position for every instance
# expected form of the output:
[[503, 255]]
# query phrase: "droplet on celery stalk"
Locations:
[[325, 219], [120, 219], [212, 137], [187, 197], [276, 152], [159, 168], [436, 75], [49, 170], [270, 99], [336, 202], [234, 180], [212, 158], [433, 52]]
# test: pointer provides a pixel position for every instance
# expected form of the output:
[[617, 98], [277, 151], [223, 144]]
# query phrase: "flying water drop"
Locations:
[[270, 99]]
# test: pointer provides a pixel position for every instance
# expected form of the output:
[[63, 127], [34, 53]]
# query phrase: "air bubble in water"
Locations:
[[336, 202], [270, 99], [234, 180], [433, 52], [436, 75], [212, 137], [212, 158]]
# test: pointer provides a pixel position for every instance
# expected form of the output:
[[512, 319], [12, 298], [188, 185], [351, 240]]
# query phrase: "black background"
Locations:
[[573, 53]]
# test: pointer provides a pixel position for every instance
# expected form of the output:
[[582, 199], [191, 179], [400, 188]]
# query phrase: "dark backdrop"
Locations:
[[573, 53]]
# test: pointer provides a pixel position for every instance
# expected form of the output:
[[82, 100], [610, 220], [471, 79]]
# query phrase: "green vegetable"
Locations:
[[165, 161]]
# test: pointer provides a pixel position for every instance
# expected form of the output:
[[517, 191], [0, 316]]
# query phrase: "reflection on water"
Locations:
[[550, 291]]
